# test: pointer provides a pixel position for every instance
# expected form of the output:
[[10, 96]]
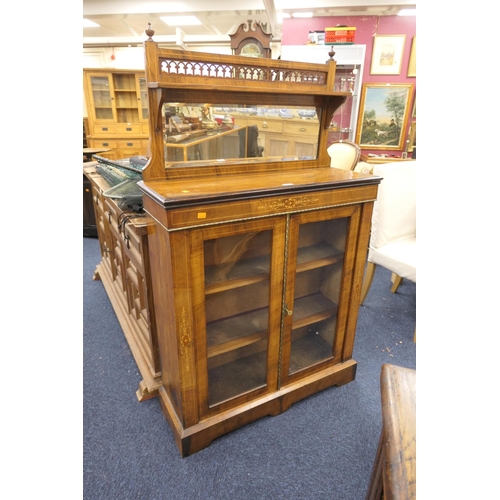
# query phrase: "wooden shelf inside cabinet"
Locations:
[[225, 277], [312, 309], [236, 332], [234, 275], [256, 262], [316, 256]]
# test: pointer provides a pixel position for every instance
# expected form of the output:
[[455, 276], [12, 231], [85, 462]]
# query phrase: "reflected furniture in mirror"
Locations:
[[256, 262], [393, 240]]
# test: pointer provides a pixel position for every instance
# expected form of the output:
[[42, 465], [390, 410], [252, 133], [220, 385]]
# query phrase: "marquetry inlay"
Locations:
[[288, 203], [186, 339]]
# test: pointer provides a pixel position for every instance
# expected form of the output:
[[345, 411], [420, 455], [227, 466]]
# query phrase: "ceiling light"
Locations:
[[302, 14], [90, 24], [407, 12], [181, 20]]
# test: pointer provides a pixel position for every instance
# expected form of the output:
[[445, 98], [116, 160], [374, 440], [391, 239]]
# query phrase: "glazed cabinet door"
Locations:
[[319, 272], [237, 298], [101, 97], [142, 98]]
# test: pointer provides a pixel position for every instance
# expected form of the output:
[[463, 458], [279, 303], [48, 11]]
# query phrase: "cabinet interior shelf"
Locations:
[[239, 331], [249, 271], [315, 256], [309, 350]]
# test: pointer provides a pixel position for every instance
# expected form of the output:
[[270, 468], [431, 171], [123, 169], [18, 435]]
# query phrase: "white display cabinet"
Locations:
[[349, 58]]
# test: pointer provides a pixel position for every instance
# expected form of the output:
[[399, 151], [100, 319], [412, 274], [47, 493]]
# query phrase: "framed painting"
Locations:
[[383, 115], [412, 137], [412, 63], [387, 54]]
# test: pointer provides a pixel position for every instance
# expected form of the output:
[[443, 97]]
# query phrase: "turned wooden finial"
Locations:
[[150, 32], [331, 54]]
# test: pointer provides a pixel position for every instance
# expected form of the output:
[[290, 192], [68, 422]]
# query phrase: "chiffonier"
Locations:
[[255, 264]]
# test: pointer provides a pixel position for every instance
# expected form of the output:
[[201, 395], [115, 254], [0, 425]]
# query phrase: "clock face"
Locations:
[[251, 49]]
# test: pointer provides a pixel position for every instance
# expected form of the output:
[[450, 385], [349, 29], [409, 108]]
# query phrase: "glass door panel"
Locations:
[[101, 97], [143, 96], [319, 269], [237, 297]]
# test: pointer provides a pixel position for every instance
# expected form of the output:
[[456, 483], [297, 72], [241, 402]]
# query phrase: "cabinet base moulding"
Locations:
[[200, 436]]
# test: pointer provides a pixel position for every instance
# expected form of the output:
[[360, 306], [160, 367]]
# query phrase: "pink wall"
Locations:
[[296, 32]]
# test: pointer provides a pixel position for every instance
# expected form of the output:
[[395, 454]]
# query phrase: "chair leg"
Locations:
[[367, 282], [396, 280]]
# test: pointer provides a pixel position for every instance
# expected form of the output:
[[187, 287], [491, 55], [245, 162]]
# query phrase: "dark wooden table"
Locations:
[[394, 474], [88, 152]]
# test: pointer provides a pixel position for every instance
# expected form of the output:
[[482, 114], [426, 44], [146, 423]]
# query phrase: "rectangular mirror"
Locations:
[[194, 134]]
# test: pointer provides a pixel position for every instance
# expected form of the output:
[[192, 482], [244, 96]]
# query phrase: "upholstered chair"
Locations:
[[393, 239], [344, 155]]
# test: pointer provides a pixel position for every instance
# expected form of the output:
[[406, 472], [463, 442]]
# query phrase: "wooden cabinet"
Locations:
[[125, 273], [256, 264], [257, 312], [117, 109], [255, 300]]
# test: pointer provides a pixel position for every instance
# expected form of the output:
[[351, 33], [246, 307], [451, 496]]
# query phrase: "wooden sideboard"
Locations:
[[256, 264], [125, 273]]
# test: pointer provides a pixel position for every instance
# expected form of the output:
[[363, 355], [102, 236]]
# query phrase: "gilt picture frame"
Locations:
[[383, 116], [412, 62], [387, 54]]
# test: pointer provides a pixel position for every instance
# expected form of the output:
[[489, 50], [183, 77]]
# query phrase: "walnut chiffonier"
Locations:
[[256, 264]]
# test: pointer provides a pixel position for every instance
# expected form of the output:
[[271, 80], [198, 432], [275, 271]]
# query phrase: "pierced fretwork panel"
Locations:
[[240, 72]]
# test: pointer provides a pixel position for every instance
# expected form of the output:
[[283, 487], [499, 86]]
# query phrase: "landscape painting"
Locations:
[[383, 115]]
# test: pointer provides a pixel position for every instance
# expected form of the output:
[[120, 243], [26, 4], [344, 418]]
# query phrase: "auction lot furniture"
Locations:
[[394, 473], [256, 264], [125, 273]]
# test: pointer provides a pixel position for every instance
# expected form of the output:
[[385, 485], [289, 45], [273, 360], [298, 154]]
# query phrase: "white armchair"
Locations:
[[393, 240]]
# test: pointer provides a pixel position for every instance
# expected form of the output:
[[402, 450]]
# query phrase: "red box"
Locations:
[[340, 35]]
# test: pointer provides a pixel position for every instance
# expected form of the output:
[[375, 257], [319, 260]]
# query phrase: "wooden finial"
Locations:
[[150, 32], [331, 54]]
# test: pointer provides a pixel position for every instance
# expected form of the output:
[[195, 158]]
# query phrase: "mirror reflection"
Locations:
[[201, 132]]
